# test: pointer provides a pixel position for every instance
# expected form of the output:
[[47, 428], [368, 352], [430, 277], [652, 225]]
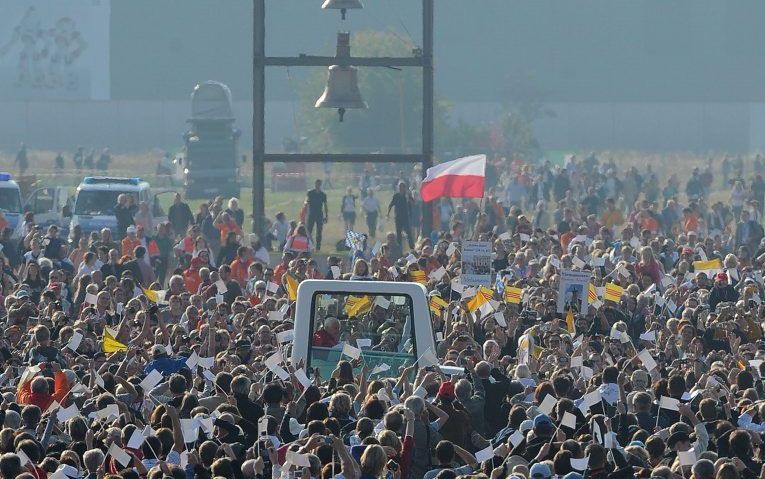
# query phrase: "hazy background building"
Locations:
[[647, 75]]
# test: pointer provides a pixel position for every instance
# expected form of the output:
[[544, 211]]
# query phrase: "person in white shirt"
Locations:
[[371, 207]]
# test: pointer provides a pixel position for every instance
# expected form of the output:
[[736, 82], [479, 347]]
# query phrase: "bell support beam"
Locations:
[[318, 61], [259, 63], [341, 158]]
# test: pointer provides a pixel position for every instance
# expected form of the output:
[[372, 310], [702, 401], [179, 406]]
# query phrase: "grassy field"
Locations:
[[144, 165]]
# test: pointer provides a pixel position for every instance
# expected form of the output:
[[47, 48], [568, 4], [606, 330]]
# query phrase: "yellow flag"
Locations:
[[111, 345], [418, 276], [613, 292], [513, 295], [712, 264], [151, 295], [570, 321], [482, 296], [357, 305], [592, 294], [437, 304], [292, 286]]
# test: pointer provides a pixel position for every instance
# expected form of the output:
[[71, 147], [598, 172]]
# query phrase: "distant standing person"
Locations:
[[371, 207], [22, 161], [401, 204], [180, 216], [104, 160], [58, 162], [124, 212], [318, 211], [348, 208], [78, 158]]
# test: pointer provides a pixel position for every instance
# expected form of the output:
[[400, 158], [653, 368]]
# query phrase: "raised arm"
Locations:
[[178, 444]]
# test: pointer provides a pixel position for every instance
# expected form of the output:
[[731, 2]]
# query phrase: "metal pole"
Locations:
[[427, 105], [258, 115]]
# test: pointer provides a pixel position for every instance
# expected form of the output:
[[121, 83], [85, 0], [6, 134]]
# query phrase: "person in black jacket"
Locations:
[[180, 216]]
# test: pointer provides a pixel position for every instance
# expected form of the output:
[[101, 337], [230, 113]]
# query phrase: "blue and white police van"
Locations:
[[96, 198], [10, 200]]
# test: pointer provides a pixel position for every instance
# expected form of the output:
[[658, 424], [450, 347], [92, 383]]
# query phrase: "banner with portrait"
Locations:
[[573, 290]]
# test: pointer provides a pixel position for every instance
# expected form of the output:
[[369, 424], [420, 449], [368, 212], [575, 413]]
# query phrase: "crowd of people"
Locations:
[[163, 350]]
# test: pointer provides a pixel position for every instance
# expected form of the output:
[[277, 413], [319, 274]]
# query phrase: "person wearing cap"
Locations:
[[540, 470], [458, 428], [130, 241], [722, 292], [162, 362]]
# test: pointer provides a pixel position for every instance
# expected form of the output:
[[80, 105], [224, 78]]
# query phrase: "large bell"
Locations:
[[341, 5], [342, 90]]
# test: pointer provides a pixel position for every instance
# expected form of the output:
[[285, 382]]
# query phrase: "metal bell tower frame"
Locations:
[[259, 63]]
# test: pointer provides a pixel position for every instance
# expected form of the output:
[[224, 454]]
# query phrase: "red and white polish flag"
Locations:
[[460, 178]]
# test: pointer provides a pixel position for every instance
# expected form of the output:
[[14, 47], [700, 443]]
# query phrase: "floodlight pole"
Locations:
[[259, 155]]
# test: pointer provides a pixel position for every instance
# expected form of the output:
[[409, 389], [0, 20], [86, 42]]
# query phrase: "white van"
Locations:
[[394, 328], [10, 200], [96, 198]]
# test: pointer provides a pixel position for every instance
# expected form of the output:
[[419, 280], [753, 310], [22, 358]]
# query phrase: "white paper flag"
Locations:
[[110, 411], [263, 426], [335, 271], [68, 413], [119, 455], [648, 336], [364, 343], [220, 285], [151, 380], [192, 361], [500, 319], [437, 274], [136, 439], [302, 378], [382, 302], [380, 368], [647, 359], [577, 362], [206, 363], [516, 438], [91, 298], [351, 352], [74, 341], [669, 403], [300, 460], [577, 262], [272, 287], [580, 464], [485, 454], [687, 458], [593, 398], [569, 420], [548, 404], [285, 336]]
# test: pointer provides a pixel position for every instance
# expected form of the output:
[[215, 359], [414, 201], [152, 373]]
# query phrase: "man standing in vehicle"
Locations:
[[318, 212]]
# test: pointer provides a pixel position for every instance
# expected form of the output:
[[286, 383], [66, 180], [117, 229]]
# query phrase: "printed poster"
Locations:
[[574, 286], [476, 263]]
